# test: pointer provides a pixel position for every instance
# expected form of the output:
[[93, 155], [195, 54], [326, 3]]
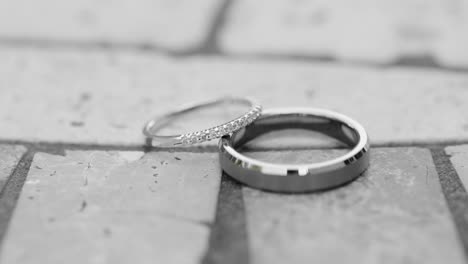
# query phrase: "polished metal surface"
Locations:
[[154, 125], [297, 177]]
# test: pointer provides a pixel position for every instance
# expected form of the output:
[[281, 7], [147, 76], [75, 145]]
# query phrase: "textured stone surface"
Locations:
[[9, 157], [459, 159], [228, 238], [452, 187], [364, 30], [105, 97], [395, 213], [171, 24], [114, 207]]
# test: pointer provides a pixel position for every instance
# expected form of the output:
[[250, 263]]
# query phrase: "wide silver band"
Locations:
[[154, 125], [297, 177]]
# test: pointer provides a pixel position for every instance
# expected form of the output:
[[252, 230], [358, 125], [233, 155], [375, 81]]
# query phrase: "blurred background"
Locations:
[[78, 79]]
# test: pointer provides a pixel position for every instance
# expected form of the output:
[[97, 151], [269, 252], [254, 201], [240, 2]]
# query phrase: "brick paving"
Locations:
[[104, 97], [10, 155], [171, 25], [356, 31], [459, 156], [79, 185], [395, 213], [114, 197]]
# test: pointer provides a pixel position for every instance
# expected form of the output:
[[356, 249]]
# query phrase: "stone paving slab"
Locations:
[[105, 97], [459, 159], [10, 155], [114, 207], [365, 30], [450, 169], [395, 213], [162, 23]]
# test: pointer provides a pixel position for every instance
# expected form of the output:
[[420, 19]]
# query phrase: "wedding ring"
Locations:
[[153, 126], [297, 177]]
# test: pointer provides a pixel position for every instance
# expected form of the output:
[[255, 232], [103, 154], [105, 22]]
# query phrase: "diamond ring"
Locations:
[[153, 126]]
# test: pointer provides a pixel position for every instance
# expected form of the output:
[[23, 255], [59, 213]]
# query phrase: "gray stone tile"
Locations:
[[161, 23], [364, 30], [10, 155], [459, 158], [105, 97], [114, 207], [447, 167], [394, 213]]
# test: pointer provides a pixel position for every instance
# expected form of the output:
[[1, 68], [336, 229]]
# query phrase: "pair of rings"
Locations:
[[255, 122]]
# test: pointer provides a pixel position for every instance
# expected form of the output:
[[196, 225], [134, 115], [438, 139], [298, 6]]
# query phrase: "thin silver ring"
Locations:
[[297, 177], [154, 125]]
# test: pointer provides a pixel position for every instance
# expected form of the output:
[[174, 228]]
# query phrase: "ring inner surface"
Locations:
[[271, 123]]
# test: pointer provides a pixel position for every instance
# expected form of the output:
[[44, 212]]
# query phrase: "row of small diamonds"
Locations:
[[219, 131]]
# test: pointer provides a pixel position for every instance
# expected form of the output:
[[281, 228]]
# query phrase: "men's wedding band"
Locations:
[[154, 125], [297, 177]]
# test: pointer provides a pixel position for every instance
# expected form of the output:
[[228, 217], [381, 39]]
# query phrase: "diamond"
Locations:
[[221, 130]]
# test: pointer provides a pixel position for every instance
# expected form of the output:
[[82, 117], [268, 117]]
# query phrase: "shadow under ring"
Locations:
[[297, 177]]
